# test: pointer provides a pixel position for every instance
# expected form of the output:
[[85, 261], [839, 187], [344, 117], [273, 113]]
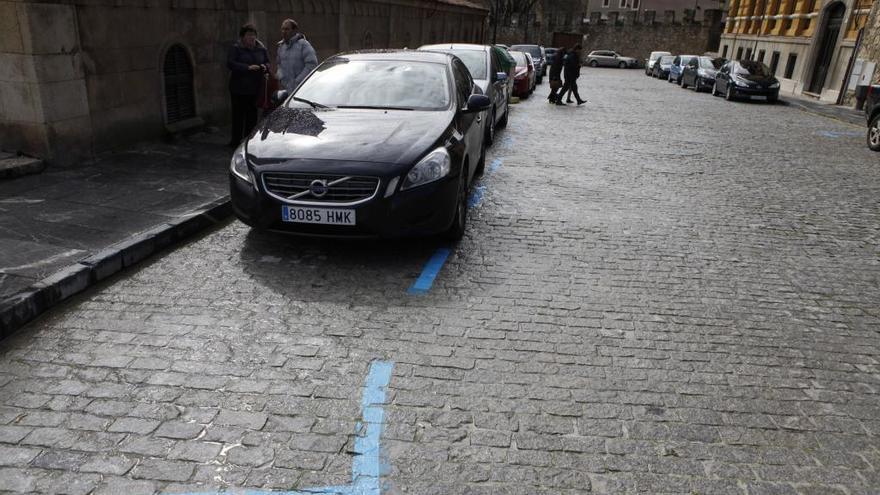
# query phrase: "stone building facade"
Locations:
[[870, 43], [807, 43], [82, 76]]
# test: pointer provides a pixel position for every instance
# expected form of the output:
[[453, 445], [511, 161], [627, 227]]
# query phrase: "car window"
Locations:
[[710, 63], [534, 51], [463, 83], [474, 60], [692, 63], [520, 58], [676, 60], [378, 83], [750, 67], [666, 59]]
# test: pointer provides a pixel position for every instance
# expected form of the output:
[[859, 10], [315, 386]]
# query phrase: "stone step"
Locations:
[[15, 166]]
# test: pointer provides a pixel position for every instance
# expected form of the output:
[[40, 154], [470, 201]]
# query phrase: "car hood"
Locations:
[[762, 80], [710, 72], [365, 135]]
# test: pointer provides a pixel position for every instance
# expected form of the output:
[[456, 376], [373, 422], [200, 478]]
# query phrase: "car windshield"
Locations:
[[710, 63], [751, 68], [520, 58], [666, 59], [340, 82], [475, 60], [685, 60], [534, 51]]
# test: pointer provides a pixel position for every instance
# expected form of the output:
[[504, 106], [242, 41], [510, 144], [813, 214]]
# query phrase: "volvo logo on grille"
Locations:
[[318, 188]]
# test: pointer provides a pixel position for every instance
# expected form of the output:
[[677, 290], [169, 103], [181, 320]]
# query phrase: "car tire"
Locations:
[[669, 78], [728, 95], [696, 86], [715, 90], [481, 163], [489, 135], [622, 65], [681, 82], [873, 136], [459, 221], [502, 122], [593, 63]]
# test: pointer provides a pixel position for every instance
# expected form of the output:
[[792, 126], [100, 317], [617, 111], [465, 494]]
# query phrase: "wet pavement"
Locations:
[[658, 292]]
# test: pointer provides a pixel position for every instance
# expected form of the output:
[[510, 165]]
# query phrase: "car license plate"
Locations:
[[757, 97], [324, 216]]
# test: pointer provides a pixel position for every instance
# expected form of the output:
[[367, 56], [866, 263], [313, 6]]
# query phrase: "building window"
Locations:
[[622, 4], [739, 53], [761, 56], [724, 52], [177, 72], [789, 66], [636, 4], [774, 62], [748, 53], [606, 4]]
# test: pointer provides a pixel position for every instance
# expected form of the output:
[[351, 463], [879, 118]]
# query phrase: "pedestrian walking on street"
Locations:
[[571, 71], [556, 77], [248, 60], [296, 56]]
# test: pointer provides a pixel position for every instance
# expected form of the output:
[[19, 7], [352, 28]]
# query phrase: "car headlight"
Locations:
[[435, 165], [239, 165], [774, 85], [739, 81]]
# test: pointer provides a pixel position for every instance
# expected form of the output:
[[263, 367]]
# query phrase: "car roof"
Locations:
[[514, 46], [455, 46], [413, 55]]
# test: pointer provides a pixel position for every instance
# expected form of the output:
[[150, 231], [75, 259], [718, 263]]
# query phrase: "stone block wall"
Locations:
[[870, 47], [87, 75]]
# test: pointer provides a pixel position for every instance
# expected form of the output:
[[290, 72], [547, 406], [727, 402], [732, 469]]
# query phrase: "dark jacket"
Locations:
[[243, 81], [556, 67], [572, 66]]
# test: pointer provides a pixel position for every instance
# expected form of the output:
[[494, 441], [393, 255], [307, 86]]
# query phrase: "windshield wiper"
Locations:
[[313, 104], [371, 107]]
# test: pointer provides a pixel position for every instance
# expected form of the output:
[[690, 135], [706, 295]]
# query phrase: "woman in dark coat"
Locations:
[[572, 71], [249, 62], [556, 77]]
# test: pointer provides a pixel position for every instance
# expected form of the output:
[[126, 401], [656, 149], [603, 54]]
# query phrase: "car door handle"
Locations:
[[479, 118]]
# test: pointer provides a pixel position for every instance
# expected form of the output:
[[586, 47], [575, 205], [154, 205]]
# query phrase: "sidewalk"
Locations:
[[838, 112], [67, 228]]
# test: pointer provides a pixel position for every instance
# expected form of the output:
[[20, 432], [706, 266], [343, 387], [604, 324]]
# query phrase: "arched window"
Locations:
[[180, 101]]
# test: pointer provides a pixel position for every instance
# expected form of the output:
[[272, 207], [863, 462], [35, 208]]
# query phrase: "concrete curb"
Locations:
[[17, 310], [831, 113]]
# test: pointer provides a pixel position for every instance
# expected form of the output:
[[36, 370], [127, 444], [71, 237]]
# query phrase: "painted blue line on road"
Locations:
[[423, 284], [476, 196], [837, 134], [495, 164], [367, 467]]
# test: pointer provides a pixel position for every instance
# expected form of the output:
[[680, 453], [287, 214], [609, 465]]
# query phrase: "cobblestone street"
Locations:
[[659, 292]]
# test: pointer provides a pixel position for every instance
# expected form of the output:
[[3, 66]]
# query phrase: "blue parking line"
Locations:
[[837, 134], [495, 164], [476, 196], [367, 466], [423, 284]]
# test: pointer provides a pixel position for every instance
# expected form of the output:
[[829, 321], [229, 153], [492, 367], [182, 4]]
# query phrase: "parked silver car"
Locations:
[[608, 58]]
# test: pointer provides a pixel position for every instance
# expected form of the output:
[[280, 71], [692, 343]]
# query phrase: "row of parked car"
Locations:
[[733, 79], [383, 143]]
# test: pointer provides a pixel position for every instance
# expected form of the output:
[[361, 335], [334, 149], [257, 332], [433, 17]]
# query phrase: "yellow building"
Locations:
[[807, 43]]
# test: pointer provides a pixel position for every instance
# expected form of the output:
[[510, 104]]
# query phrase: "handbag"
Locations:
[[264, 99], [555, 84]]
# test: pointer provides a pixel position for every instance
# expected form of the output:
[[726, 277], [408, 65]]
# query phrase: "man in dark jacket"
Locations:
[[572, 70], [556, 77], [249, 62]]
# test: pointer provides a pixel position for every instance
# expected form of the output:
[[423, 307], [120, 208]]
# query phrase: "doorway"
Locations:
[[827, 43]]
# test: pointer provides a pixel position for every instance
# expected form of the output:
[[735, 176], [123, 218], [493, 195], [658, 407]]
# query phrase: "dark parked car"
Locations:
[[661, 66], [872, 113], [538, 57], [370, 144], [550, 56], [699, 73], [746, 79], [484, 64]]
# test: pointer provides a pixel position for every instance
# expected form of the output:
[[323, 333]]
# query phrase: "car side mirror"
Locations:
[[477, 103], [279, 96], [500, 76]]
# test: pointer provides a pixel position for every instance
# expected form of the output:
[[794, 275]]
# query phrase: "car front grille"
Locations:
[[340, 189]]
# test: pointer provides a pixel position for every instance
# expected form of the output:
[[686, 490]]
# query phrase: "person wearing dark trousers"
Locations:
[[556, 77], [571, 71], [248, 61]]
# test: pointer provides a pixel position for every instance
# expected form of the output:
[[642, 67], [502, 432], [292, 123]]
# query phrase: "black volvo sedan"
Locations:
[[371, 144]]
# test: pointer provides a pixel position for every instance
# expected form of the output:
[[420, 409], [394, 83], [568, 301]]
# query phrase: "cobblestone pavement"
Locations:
[[660, 292]]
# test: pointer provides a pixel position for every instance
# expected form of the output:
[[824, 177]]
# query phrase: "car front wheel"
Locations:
[[874, 133], [593, 63], [728, 95], [622, 65], [459, 223]]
